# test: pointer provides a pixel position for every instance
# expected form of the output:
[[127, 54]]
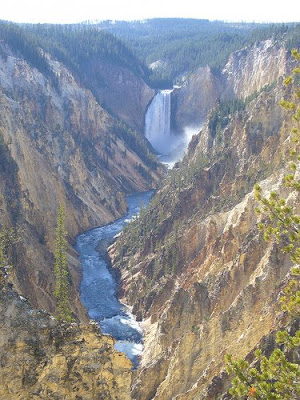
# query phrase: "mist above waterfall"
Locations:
[[180, 145], [170, 146]]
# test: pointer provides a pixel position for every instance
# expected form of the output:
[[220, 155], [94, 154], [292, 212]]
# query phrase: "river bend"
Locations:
[[98, 286]]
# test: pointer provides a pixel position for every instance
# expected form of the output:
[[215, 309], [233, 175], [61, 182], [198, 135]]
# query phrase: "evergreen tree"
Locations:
[[61, 292], [8, 237]]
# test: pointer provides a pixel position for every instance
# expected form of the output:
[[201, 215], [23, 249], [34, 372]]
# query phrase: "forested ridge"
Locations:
[[182, 45], [74, 45], [77, 47], [160, 51]]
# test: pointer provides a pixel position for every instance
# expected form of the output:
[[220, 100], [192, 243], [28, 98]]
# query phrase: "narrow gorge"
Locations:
[[194, 267], [152, 144]]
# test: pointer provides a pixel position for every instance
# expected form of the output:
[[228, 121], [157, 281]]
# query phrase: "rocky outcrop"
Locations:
[[61, 146], [198, 272], [247, 71], [192, 102], [250, 69], [42, 358]]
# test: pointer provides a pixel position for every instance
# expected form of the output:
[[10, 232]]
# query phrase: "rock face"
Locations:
[[246, 71], [42, 358], [122, 92], [250, 69], [60, 145], [195, 267], [192, 102]]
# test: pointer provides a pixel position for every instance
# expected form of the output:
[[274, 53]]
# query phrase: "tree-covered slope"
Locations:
[[97, 59], [176, 47], [74, 45], [160, 51]]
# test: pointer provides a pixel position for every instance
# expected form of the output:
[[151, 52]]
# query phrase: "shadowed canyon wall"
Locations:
[[123, 93]]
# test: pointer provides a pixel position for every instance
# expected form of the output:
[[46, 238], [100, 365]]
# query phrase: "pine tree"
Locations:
[[61, 292], [8, 237]]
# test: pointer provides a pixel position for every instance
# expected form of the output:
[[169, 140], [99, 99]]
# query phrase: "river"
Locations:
[[98, 290]]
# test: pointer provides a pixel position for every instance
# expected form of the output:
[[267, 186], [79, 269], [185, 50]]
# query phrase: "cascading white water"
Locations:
[[170, 146], [157, 122]]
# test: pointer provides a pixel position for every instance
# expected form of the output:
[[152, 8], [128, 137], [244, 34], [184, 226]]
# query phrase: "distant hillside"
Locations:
[[160, 51], [175, 47], [76, 46]]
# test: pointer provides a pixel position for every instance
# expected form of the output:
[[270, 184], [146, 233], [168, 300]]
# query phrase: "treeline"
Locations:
[[177, 46], [78, 47], [183, 45], [73, 45], [223, 112], [28, 45]]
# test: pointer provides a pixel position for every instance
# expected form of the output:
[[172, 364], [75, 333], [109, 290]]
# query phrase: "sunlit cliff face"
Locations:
[[202, 279]]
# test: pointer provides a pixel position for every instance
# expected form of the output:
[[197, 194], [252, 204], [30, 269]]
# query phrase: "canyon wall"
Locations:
[[195, 267], [192, 102], [246, 72], [60, 145], [250, 69], [121, 92]]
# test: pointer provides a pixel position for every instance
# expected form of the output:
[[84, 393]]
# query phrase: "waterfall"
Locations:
[[157, 122], [169, 145]]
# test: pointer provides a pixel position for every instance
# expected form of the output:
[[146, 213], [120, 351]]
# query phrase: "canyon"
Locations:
[[195, 268], [192, 267], [61, 146]]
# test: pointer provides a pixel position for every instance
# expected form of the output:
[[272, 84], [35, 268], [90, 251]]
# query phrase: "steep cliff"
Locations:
[[97, 59], [121, 92], [247, 71], [61, 145], [42, 358], [192, 102], [250, 69], [194, 266]]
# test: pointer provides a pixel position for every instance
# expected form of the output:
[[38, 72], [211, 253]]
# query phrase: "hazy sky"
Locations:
[[65, 11]]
